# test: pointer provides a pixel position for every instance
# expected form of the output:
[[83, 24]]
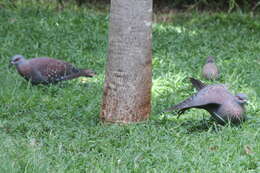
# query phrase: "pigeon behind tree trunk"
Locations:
[[210, 70], [46, 70], [217, 100]]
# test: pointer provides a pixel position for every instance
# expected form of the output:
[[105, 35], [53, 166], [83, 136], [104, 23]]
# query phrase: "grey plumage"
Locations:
[[46, 70], [217, 100], [210, 70]]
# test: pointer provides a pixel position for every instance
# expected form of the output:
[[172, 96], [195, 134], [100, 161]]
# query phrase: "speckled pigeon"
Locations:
[[210, 70], [217, 100], [46, 70]]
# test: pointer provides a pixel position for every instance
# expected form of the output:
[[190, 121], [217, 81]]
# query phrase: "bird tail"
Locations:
[[181, 107], [87, 73], [188, 103], [197, 83]]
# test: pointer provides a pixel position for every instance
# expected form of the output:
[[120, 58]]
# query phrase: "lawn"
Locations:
[[57, 129]]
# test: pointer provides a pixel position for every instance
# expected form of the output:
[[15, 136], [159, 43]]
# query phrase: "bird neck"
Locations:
[[23, 62], [23, 68]]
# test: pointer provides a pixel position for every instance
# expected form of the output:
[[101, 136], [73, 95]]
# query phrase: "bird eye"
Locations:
[[17, 59], [239, 98]]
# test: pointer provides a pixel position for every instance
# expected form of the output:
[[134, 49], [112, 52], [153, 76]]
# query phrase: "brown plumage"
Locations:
[[217, 100], [47, 70], [210, 70]]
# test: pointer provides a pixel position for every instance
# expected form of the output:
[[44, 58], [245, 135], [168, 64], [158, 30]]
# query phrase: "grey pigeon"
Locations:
[[210, 70], [217, 100], [47, 70]]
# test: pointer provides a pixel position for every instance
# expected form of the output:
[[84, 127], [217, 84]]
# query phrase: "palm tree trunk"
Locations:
[[128, 81]]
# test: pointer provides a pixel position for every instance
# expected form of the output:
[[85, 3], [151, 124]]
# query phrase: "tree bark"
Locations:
[[128, 81]]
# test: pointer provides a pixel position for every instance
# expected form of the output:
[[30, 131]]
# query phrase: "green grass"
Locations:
[[56, 128]]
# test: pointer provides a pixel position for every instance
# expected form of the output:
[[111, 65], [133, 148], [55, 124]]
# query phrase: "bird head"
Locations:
[[17, 59], [210, 59], [241, 98]]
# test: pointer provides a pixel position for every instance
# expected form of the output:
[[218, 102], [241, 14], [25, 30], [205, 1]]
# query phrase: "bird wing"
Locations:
[[53, 69], [211, 94], [37, 77], [207, 96]]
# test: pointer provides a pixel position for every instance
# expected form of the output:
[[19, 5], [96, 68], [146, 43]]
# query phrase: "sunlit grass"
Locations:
[[56, 128]]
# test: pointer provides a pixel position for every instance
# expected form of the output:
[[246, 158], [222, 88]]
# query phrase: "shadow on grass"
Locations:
[[192, 126]]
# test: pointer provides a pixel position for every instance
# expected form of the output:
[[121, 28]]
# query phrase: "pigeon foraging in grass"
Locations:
[[210, 70], [46, 70], [217, 100]]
